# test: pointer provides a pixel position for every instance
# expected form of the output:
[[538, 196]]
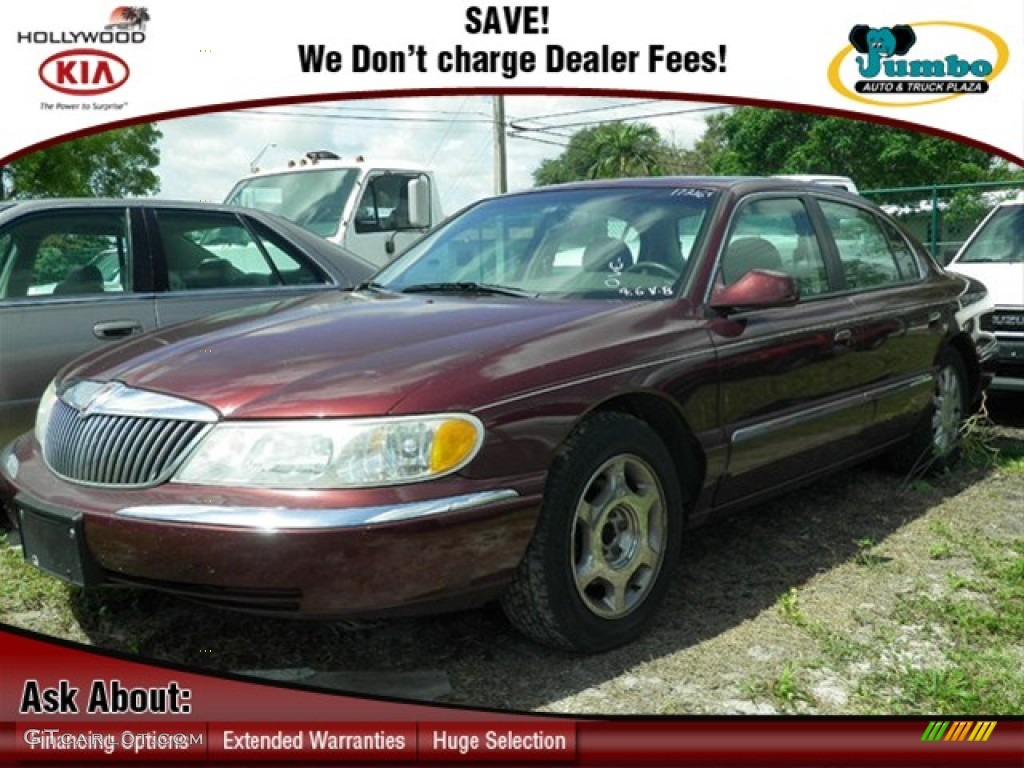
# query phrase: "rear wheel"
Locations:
[[935, 445], [607, 540]]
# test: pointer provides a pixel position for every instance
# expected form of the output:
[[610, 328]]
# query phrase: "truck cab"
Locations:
[[374, 209]]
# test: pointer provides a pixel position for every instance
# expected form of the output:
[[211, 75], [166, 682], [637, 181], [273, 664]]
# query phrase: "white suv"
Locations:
[[994, 254]]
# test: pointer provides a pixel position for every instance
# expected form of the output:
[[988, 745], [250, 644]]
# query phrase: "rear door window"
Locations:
[[66, 253], [871, 253], [214, 250]]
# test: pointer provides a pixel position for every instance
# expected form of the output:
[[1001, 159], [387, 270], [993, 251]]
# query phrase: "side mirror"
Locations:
[[757, 289], [419, 203]]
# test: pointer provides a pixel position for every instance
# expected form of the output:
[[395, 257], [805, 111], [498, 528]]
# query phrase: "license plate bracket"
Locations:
[[53, 540]]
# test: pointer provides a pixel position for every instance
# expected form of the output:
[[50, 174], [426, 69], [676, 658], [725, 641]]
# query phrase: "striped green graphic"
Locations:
[[958, 730]]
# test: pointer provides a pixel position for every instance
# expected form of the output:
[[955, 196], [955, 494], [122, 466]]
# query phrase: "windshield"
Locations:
[[1001, 238], [584, 243], [315, 200]]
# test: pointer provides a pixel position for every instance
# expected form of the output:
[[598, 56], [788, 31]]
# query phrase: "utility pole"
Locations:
[[500, 156]]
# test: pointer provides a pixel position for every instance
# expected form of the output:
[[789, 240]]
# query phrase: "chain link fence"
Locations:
[[942, 216]]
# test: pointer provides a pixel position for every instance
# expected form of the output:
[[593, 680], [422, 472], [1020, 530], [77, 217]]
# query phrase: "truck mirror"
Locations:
[[419, 203]]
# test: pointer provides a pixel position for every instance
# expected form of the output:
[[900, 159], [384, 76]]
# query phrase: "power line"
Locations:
[[458, 111], [462, 177], [605, 108], [626, 118], [539, 141], [447, 132], [368, 118]]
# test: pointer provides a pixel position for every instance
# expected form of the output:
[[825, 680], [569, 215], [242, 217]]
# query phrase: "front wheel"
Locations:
[[607, 540]]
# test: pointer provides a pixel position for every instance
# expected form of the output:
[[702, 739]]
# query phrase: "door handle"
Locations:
[[116, 329], [843, 338]]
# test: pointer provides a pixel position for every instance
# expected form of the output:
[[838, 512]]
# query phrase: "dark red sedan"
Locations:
[[531, 404]]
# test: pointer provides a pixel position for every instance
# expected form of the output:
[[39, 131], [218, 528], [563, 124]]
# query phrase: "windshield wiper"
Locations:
[[468, 287]]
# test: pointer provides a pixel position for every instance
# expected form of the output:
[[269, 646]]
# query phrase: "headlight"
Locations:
[[976, 291], [972, 297], [333, 453], [46, 403]]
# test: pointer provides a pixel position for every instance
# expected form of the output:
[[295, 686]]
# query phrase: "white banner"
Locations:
[[71, 66]]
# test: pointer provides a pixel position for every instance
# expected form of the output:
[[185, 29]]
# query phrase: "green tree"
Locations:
[[116, 163], [613, 150], [755, 141]]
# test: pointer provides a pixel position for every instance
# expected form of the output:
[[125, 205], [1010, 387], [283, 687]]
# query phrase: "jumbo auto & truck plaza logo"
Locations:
[[89, 71], [920, 63]]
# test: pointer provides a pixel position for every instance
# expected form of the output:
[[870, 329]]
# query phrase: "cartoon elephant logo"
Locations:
[[880, 43]]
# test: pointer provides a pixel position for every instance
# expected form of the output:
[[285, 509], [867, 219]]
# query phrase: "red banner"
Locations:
[[65, 704]]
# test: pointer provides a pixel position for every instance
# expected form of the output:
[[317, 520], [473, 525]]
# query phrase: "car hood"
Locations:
[[350, 354], [1005, 282]]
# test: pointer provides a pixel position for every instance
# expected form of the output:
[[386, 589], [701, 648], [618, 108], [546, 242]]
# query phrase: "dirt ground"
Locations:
[[756, 621]]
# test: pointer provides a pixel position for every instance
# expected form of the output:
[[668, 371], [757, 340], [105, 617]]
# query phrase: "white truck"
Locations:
[[374, 209]]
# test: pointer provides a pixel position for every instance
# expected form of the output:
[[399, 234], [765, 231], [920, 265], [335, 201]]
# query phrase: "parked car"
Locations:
[[80, 274], [839, 182], [994, 254], [532, 404]]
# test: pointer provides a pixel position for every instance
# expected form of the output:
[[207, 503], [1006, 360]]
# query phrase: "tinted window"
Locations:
[[66, 253], [292, 267], [906, 260], [775, 234], [207, 250], [866, 252]]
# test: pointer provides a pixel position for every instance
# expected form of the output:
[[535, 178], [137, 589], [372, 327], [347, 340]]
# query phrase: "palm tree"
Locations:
[[626, 149], [135, 16]]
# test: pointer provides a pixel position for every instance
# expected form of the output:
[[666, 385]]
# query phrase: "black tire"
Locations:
[[934, 446], [607, 541]]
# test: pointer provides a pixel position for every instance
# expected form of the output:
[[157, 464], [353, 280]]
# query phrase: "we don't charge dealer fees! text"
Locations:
[[504, 22]]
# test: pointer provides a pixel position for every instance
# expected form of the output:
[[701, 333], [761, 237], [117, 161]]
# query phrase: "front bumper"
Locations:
[[1008, 365], [430, 546]]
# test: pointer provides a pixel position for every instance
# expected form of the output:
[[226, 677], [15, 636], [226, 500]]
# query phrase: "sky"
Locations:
[[202, 157]]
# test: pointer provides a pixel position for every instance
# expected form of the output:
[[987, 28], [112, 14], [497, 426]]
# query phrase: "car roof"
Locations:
[[14, 208], [1017, 201], [10, 209], [50, 203], [732, 184]]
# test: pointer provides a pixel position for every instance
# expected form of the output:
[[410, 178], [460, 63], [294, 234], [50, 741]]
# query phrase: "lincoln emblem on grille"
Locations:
[[104, 394]]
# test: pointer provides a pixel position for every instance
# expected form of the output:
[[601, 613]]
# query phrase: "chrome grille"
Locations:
[[113, 449]]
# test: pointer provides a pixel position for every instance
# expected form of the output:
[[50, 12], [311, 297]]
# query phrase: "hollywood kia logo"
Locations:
[[926, 62], [89, 71], [84, 72]]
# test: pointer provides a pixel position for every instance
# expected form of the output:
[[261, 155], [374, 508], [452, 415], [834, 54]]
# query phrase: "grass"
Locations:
[[866, 554], [789, 607], [785, 690], [1011, 457], [977, 659], [958, 652], [951, 644], [24, 588], [983, 447]]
